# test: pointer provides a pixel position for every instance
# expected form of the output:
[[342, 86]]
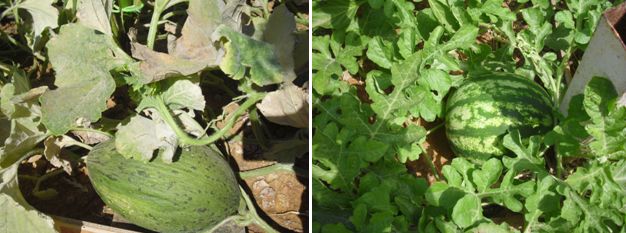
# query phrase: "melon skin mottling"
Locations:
[[482, 109], [192, 194]]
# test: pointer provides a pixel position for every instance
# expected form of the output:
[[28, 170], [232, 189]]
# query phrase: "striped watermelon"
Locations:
[[483, 108]]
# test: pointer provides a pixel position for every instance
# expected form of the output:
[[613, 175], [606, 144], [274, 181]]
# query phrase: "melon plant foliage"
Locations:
[[380, 67], [96, 49]]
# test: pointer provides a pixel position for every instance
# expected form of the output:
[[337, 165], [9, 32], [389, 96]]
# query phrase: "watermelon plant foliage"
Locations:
[[383, 72], [98, 50]]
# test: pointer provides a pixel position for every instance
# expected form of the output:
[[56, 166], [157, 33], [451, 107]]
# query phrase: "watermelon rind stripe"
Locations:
[[482, 109]]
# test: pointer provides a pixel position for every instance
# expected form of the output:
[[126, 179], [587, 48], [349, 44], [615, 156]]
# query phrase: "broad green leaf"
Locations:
[[459, 11], [598, 92], [83, 84], [376, 3], [359, 216], [379, 53], [544, 200], [328, 198], [491, 228], [279, 32], [244, 53], [440, 194], [394, 107], [335, 228], [488, 175], [335, 14], [328, 58], [541, 3], [16, 214], [326, 70], [18, 106], [95, 14], [569, 134], [142, 136], [608, 121], [565, 18], [408, 41], [463, 38], [24, 132], [467, 211], [43, 14], [380, 222], [183, 93], [6, 105], [331, 149], [20, 80], [533, 152], [378, 199], [436, 80], [442, 12], [18, 218], [590, 217], [334, 148]]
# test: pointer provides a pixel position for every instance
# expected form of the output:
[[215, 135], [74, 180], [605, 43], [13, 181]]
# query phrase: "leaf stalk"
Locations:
[[185, 139]]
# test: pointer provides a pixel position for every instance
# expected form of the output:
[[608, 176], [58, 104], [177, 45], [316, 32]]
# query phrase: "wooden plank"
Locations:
[[67, 225]]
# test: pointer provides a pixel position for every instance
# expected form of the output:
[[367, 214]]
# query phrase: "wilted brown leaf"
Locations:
[[287, 106]]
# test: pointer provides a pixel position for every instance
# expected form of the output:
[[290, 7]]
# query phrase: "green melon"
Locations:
[[482, 109], [192, 194]]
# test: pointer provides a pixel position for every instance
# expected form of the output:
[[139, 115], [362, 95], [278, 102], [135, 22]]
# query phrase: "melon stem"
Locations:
[[274, 168], [159, 7], [430, 162], [185, 139], [253, 216]]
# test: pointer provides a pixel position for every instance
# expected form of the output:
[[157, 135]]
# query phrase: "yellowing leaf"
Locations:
[[247, 56], [280, 33], [194, 50]]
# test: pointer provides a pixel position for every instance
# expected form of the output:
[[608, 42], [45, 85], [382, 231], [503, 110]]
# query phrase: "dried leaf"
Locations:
[[190, 125], [52, 151], [90, 138], [156, 66], [287, 106], [194, 50]]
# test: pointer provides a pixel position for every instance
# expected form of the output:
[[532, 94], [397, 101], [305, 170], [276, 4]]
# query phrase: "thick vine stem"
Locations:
[[159, 7], [188, 140], [430, 162], [274, 168], [253, 216]]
